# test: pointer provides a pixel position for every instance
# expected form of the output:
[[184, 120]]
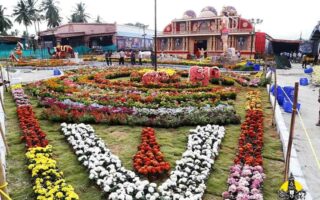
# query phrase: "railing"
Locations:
[[207, 32]]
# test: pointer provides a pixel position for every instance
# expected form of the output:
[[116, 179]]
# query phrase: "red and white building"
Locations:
[[186, 35]]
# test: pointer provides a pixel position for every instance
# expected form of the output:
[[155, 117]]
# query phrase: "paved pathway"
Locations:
[[308, 97]]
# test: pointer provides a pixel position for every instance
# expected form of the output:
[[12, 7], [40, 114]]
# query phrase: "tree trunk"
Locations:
[[27, 36]]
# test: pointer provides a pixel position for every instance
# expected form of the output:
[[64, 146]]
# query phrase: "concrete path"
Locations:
[[308, 97]]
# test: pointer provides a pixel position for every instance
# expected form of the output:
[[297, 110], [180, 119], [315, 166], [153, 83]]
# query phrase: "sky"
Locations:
[[282, 19]]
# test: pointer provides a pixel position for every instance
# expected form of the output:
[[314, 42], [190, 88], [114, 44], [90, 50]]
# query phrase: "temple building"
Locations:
[[191, 33], [102, 35]]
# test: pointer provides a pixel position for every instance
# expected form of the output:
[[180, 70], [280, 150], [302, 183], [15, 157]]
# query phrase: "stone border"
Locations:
[[295, 167]]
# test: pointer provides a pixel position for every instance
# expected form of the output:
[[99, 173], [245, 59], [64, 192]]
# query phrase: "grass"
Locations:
[[123, 141]]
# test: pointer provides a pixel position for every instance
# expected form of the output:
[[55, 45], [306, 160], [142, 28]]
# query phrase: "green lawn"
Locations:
[[123, 141]]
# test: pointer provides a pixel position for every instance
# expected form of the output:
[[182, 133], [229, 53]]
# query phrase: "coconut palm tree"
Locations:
[[34, 12], [21, 12], [51, 12], [5, 22], [79, 14]]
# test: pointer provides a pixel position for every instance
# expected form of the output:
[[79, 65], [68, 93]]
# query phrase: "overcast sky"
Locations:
[[283, 19]]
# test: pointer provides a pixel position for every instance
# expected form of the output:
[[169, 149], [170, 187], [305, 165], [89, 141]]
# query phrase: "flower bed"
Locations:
[[187, 181], [316, 75], [162, 117], [48, 180], [44, 63], [246, 176], [245, 182], [149, 160], [90, 97]]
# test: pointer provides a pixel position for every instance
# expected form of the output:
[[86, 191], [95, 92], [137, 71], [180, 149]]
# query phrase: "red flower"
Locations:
[[149, 160]]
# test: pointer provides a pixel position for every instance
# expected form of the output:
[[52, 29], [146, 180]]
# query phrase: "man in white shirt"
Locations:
[[294, 57], [122, 55]]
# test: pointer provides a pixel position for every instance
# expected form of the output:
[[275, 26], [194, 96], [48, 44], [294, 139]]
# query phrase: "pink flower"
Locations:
[[225, 195], [232, 188]]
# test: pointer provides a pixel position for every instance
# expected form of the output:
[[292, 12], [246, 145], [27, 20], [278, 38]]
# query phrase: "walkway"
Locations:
[[308, 97]]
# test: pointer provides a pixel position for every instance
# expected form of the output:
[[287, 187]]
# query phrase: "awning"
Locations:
[[68, 35]]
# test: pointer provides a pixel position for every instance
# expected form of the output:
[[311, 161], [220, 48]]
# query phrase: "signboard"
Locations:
[[306, 47], [292, 190]]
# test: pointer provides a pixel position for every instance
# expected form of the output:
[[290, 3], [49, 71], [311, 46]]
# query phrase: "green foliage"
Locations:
[[215, 81], [5, 22], [52, 14], [79, 14], [227, 81]]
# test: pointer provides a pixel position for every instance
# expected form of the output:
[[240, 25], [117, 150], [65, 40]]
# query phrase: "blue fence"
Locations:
[[5, 51]]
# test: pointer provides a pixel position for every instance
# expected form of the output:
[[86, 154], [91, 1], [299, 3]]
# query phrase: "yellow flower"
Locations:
[[59, 195]]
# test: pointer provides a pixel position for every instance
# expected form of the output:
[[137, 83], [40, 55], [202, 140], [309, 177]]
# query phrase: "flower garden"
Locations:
[[132, 133]]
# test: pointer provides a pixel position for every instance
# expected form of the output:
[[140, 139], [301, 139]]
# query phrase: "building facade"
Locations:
[[97, 35], [190, 33], [315, 40]]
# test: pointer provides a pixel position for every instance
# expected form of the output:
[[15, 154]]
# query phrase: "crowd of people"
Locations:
[[132, 54], [294, 57], [298, 57]]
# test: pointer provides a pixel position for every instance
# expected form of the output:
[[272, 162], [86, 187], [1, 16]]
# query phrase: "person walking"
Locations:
[[140, 57], [133, 58], [108, 55], [294, 57], [299, 57], [122, 55], [153, 58]]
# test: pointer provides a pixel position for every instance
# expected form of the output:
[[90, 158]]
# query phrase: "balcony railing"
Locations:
[[207, 32]]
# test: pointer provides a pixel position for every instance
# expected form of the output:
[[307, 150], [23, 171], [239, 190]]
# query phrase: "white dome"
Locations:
[[230, 10], [189, 14], [208, 11]]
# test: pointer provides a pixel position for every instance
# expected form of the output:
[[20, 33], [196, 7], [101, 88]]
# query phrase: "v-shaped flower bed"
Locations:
[[149, 160], [186, 181], [246, 176], [47, 178]]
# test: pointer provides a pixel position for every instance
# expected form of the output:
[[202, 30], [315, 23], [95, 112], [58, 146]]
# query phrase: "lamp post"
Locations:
[[155, 36], [254, 22]]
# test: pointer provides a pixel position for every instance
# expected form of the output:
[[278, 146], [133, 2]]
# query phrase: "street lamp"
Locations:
[[155, 36], [254, 22]]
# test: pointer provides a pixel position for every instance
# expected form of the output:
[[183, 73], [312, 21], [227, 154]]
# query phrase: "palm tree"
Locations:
[[79, 15], [51, 12], [34, 13], [21, 12], [32, 9], [5, 22]]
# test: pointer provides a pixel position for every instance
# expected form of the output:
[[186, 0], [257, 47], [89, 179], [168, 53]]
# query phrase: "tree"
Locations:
[[5, 22], [51, 12], [79, 14], [21, 12], [33, 12], [32, 9]]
